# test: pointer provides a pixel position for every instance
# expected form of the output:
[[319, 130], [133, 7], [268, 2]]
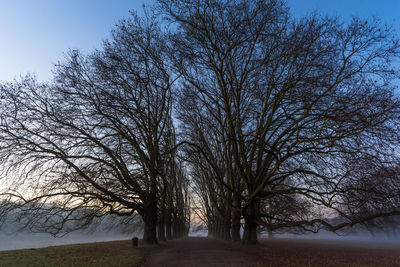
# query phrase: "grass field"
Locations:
[[116, 253]]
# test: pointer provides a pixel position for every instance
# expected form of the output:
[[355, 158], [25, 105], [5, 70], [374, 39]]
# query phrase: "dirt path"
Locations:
[[197, 251]]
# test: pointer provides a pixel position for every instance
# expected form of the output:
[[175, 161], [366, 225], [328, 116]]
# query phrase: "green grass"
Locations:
[[116, 253]]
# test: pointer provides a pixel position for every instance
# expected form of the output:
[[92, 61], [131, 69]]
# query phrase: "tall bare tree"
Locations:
[[295, 99], [276, 113], [97, 137]]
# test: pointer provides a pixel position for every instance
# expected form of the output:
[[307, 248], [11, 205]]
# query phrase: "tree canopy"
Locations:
[[272, 120]]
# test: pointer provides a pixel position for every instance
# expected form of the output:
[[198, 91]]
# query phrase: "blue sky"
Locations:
[[34, 34], [387, 10]]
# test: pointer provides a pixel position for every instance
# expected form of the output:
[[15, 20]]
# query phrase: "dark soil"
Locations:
[[196, 251], [277, 252]]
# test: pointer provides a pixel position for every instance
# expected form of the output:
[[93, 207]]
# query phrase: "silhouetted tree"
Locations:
[[97, 138], [292, 99], [283, 122]]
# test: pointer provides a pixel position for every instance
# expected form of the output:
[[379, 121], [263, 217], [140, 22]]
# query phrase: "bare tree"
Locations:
[[279, 118], [210, 163], [294, 99], [96, 138]]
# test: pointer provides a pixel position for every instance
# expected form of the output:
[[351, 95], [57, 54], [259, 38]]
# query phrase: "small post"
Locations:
[[135, 241]]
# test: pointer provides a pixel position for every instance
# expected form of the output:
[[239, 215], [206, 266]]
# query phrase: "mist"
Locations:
[[26, 240], [378, 238], [31, 240], [13, 234], [389, 236]]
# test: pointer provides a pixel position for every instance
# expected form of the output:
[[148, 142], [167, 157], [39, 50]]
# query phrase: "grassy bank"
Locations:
[[116, 253]]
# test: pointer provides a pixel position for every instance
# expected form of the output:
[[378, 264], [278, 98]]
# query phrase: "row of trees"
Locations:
[[272, 121], [290, 121], [99, 138]]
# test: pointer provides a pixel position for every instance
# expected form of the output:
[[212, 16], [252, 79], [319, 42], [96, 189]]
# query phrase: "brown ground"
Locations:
[[279, 252]]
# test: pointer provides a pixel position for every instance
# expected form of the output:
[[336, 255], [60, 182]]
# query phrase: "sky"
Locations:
[[34, 34]]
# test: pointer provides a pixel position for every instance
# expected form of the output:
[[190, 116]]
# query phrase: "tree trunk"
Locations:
[[235, 225], [182, 228], [270, 234], [227, 224], [161, 229], [236, 216], [161, 220], [210, 229], [149, 216], [175, 227], [250, 229], [168, 225], [217, 233]]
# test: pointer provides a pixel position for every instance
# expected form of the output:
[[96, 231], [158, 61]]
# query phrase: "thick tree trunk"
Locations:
[[235, 217], [149, 216], [218, 229], [250, 233], [161, 220], [235, 225], [226, 234], [250, 229], [161, 229]]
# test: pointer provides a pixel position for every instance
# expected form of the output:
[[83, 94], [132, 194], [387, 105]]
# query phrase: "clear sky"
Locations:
[[387, 10], [34, 34]]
